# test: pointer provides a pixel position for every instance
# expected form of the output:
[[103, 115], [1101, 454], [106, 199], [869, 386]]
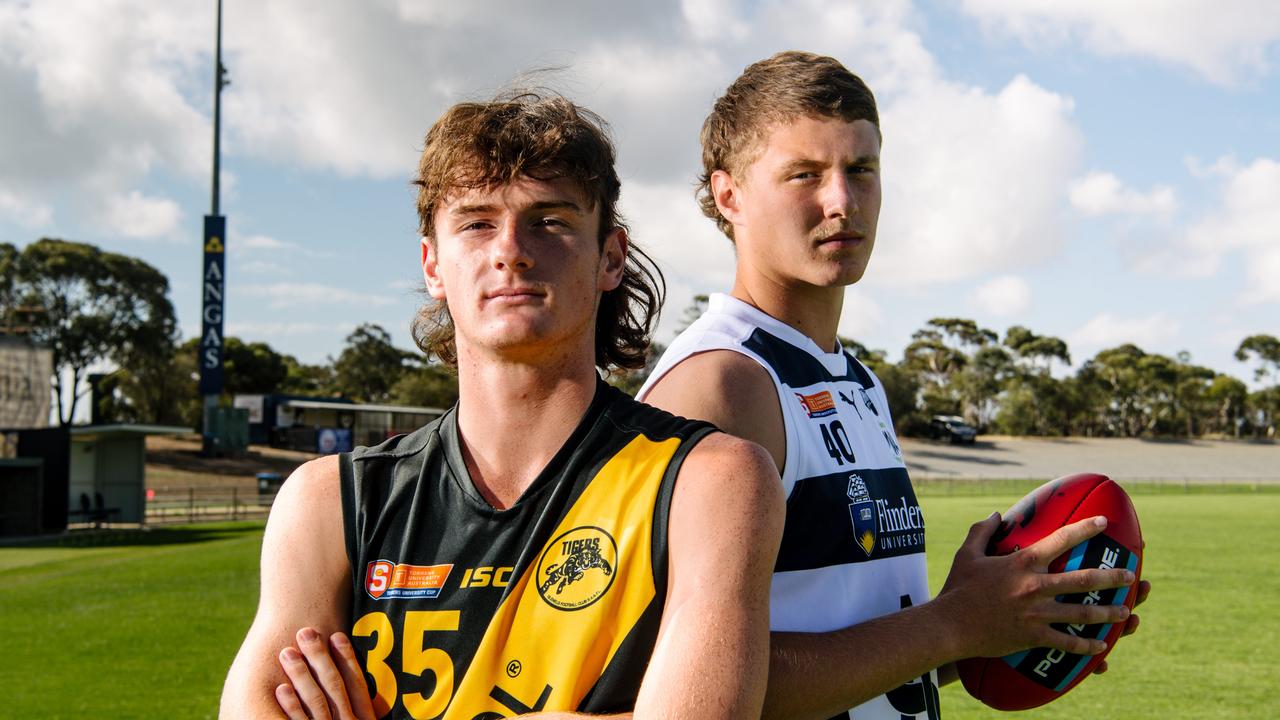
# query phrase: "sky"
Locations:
[[1102, 172]]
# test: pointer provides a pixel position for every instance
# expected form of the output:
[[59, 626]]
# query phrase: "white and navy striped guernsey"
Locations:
[[853, 543]]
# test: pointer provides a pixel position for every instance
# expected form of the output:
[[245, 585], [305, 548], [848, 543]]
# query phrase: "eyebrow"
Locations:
[[540, 205], [806, 164]]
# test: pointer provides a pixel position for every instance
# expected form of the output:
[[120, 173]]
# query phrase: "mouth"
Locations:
[[515, 295], [841, 239]]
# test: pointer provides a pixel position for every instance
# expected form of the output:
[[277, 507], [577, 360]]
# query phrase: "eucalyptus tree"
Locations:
[[95, 307]]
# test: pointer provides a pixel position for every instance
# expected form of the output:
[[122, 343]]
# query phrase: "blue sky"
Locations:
[[1103, 172]]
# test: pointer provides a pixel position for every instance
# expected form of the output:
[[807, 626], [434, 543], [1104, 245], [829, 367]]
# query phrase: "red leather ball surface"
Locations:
[[1034, 677]]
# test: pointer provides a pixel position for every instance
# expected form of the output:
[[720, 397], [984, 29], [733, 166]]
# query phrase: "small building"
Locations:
[[327, 425], [108, 471]]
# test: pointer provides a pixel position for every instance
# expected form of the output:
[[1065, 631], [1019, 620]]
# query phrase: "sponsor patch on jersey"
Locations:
[[818, 404], [577, 568], [862, 513], [384, 580], [888, 438], [866, 400]]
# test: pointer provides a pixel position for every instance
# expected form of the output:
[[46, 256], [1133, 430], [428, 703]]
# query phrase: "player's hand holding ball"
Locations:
[[1041, 597]]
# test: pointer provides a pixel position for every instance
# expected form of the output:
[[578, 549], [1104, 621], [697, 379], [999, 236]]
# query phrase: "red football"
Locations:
[[1034, 677]]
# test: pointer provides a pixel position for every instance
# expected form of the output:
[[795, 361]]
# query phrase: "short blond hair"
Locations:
[[774, 90]]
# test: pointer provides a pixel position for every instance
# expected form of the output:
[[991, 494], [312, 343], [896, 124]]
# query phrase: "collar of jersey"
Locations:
[[835, 363], [450, 438]]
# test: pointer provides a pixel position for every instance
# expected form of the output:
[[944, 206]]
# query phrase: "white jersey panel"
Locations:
[[853, 543]]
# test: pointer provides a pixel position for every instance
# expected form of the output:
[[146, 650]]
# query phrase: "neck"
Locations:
[[812, 310], [513, 417]]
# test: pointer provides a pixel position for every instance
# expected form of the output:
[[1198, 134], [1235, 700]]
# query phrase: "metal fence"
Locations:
[[206, 504], [214, 504]]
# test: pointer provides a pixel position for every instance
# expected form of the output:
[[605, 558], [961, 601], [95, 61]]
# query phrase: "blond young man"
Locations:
[[791, 163], [549, 548]]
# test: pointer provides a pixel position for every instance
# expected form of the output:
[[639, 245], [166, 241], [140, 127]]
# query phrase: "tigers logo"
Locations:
[[577, 568]]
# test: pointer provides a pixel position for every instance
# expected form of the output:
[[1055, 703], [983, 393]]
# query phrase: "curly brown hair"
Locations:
[[774, 90], [544, 136]]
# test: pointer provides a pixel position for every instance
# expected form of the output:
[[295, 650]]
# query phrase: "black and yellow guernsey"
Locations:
[[465, 612]]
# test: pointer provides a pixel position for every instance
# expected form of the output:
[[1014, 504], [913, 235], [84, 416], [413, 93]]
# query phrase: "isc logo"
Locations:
[[487, 577]]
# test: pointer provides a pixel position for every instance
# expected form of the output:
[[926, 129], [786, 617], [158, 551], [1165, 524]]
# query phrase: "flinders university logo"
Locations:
[[863, 514], [577, 568]]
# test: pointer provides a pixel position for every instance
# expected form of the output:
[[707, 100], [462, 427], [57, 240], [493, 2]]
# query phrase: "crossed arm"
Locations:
[[988, 607], [710, 659], [305, 582]]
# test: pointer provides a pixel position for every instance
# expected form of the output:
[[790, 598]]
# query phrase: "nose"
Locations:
[[510, 248], [838, 199]]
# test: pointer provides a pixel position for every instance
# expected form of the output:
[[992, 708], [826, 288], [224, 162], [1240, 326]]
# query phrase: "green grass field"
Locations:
[[131, 625], [1207, 647], [143, 625]]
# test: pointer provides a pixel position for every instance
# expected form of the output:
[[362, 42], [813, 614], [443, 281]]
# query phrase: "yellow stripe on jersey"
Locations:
[[557, 631]]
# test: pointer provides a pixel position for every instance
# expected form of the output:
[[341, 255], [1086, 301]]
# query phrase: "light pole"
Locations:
[[213, 269]]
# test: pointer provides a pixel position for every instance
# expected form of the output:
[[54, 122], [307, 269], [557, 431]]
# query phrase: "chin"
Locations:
[[838, 277]]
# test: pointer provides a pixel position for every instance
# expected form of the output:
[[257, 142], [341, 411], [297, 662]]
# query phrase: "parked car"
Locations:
[[952, 428]]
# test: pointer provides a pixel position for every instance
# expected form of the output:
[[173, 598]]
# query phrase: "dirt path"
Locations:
[[1006, 457], [175, 462]]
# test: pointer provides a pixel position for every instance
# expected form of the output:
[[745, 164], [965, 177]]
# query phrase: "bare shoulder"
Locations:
[[305, 528], [728, 475], [729, 389], [721, 455], [315, 483], [712, 381]]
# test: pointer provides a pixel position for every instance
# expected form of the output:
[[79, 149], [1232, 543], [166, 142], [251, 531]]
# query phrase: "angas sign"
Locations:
[[211, 304]]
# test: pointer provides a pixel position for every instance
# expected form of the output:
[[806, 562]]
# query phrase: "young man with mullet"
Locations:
[[791, 162], [549, 547]]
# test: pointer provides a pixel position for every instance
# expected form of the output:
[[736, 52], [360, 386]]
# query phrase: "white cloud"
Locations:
[[1101, 193], [860, 316], [692, 254], [269, 330], [1223, 43], [1245, 222], [93, 92], [139, 216], [24, 211], [1106, 330], [1005, 296], [259, 244], [1264, 276], [713, 19], [284, 295], [352, 87], [264, 242], [981, 190], [263, 267]]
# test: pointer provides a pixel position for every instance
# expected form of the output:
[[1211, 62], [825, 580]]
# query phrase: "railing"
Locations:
[[213, 504], [206, 504]]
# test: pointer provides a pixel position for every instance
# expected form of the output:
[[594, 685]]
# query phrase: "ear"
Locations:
[[728, 196], [431, 269], [613, 259]]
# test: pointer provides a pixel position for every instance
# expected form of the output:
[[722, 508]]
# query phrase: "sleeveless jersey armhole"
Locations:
[[350, 521], [787, 472], [662, 509]]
